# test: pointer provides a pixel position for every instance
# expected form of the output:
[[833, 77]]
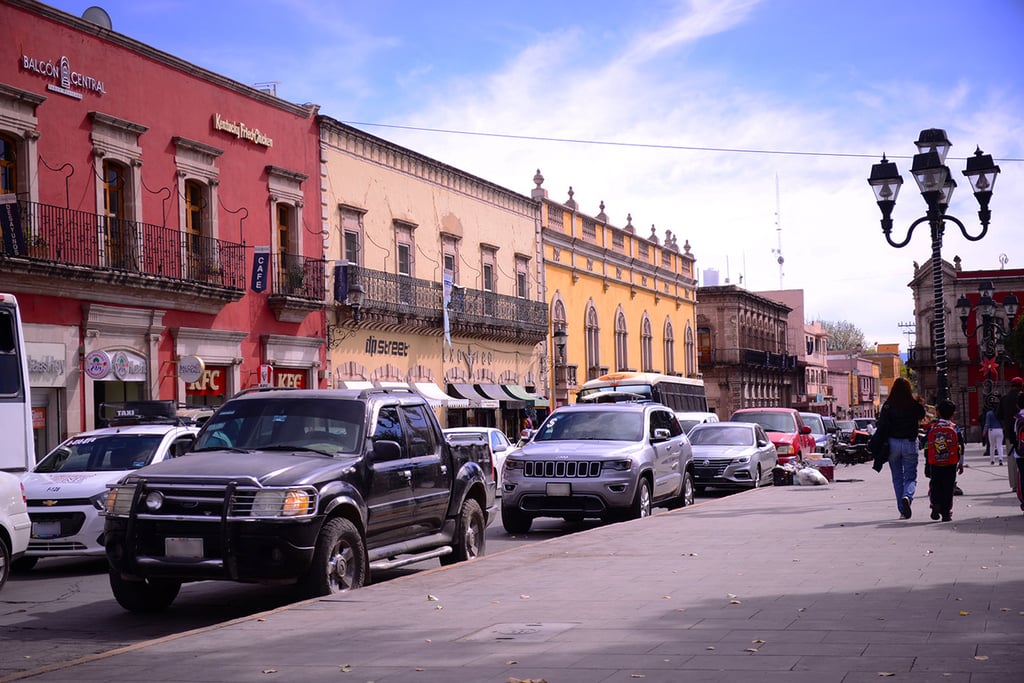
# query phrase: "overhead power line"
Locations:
[[644, 145]]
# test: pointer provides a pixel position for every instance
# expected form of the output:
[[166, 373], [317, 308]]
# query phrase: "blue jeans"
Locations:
[[903, 465]]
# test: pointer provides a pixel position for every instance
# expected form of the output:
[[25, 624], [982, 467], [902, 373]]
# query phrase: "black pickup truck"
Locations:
[[313, 488]]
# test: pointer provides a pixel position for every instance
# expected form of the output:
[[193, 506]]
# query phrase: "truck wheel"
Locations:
[[514, 521], [469, 539], [148, 595], [685, 496], [641, 506], [339, 561]]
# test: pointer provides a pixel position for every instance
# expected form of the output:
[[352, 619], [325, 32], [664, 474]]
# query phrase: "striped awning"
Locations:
[[468, 392], [506, 401], [438, 398], [516, 391]]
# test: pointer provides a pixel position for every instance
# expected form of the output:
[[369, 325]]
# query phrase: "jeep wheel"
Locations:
[[641, 506], [339, 561], [688, 488], [515, 521], [469, 538], [147, 595]]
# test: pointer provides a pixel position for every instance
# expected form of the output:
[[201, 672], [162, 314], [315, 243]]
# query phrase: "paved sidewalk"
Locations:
[[795, 583]]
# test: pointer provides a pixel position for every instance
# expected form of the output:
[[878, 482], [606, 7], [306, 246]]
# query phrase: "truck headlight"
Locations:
[[283, 503], [617, 465], [784, 449], [119, 500]]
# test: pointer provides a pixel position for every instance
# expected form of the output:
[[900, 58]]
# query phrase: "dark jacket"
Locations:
[[1007, 410], [900, 423]]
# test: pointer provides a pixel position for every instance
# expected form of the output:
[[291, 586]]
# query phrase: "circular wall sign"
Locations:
[[190, 369], [97, 364]]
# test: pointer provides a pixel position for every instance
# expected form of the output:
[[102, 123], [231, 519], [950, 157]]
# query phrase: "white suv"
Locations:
[[67, 489], [14, 523]]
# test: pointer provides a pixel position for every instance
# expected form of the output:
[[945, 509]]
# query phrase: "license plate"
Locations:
[[45, 529], [559, 489], [184, 548]]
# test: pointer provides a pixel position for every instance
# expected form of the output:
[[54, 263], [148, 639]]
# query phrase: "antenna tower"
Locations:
[[778, 230]]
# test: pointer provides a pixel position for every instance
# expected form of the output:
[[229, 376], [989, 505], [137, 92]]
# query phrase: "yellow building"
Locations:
[[436, 281], [623, 302]]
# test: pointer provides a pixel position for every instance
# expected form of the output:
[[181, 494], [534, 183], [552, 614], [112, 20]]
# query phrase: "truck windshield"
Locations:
[[592, 424], [254, 424]]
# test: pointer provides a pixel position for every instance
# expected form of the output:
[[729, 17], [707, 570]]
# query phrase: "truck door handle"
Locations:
[[444, 469], [406, 474]]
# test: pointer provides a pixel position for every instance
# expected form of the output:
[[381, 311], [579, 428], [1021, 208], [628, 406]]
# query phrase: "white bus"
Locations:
[[681, 394], [17, 452]]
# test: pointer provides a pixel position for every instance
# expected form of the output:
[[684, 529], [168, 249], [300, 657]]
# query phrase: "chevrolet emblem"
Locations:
[[49, 503]]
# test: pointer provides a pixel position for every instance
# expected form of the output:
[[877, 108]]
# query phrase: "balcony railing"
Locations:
[[470, 311], [298, 276], [749, 357], [77, 238]]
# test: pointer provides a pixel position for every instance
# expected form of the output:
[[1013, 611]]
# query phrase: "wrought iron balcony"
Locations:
[[749, 357], [66, 245], [417, 304]]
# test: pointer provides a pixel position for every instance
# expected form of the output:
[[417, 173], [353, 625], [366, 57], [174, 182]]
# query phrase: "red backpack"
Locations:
[[942, 446]]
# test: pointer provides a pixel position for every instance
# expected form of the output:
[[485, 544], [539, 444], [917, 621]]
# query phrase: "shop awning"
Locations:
[[506, 401], [436, 397], [475, 399], [516, 391]]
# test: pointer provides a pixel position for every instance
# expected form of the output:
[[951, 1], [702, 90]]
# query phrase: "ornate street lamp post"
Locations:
[[993, 334], [559, 340], [936, 185]]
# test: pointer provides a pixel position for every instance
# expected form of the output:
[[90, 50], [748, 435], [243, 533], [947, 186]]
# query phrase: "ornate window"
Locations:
[[621, 342], [646, 345], [593, 342], [670, 349]]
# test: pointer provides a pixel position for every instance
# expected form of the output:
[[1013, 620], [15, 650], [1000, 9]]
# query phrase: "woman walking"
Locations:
[[898, 421]]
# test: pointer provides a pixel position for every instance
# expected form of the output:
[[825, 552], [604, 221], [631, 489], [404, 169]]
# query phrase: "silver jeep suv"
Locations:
[[607, 460]]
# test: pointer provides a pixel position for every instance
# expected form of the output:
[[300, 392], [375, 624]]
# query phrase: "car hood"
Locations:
[[569, 449], [62, 485], [276, 468], [700, 452]]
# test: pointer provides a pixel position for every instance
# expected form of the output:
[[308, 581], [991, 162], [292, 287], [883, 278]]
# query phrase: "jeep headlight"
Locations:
[[118, 500], [283, 503], [617, 465]]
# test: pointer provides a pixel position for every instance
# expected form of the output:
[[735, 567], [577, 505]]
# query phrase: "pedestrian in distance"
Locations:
[[994, 433], [1006, 411], [898, 421], [944, 459]]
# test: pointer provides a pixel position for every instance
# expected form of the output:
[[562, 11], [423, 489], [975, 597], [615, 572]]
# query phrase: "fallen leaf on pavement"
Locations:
[[524, 597], [886, 673], [734, 602], [346, 668], [757, 642], [982, 658], [432, 598], [269, 671], [964, 613]]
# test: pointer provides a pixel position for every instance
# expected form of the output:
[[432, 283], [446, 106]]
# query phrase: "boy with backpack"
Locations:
[[944, 459]]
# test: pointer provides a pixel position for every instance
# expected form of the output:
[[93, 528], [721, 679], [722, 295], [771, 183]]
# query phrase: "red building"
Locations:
[[161, 223]]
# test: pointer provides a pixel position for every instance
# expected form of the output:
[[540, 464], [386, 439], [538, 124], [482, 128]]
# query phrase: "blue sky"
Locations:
[[674, 87]]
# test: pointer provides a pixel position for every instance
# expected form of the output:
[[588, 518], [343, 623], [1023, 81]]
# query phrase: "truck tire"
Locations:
[[469, 537], [515, 521], [685, 496], [339, 561], [148, 595]]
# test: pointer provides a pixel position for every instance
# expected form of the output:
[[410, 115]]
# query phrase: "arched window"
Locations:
[[670, 349], [593, 335], [646, 345], [621, 342], [690, 352]]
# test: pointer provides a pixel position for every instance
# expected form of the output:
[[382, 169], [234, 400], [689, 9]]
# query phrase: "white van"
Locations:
[[688, 419]]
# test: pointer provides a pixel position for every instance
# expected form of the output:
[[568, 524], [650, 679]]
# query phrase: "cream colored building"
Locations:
[[396, 224], [624, 301]]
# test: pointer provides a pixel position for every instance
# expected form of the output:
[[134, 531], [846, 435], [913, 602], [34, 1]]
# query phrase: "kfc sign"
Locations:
[[212, 382], [290, 379]]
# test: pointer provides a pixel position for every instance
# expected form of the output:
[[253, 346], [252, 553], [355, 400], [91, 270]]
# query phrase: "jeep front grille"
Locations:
[[562, 469]]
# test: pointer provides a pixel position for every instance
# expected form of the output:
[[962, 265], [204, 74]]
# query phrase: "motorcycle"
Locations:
[[852, 447]]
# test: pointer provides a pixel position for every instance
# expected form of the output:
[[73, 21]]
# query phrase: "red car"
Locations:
[[786, 429]]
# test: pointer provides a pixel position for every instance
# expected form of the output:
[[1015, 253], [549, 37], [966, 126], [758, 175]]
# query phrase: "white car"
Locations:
[[687, 420], [14, 523], [66, 490], [499, 443]]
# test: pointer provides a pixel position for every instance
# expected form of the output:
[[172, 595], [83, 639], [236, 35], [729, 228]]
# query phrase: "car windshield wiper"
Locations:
[[289, 447], [233, 449]]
